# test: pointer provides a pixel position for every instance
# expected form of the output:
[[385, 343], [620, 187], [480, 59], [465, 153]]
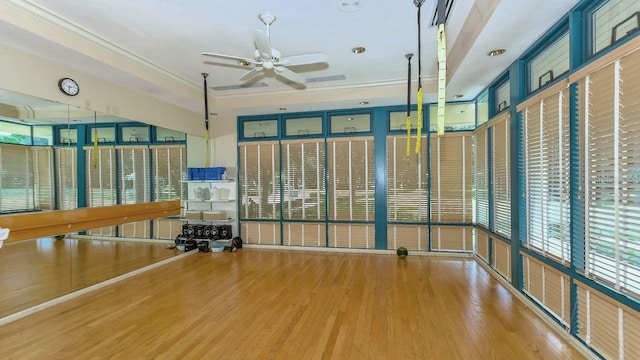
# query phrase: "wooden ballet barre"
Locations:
[[35, 225]]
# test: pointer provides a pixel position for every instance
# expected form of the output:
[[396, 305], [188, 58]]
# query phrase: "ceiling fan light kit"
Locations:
[[268, 60]]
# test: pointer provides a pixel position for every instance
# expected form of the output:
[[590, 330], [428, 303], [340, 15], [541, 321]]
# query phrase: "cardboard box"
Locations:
[[214, 215], [193, 215]]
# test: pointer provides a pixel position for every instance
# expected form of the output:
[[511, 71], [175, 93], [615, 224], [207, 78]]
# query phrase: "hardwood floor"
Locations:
[[279, 304], [35, 271]]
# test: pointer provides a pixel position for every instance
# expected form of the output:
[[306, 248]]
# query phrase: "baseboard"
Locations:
[[34, 309], [452, 254], [585, 351]]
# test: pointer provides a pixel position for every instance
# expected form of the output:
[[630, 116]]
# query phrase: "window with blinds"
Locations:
[[610, 126], [502, 97], [451, 178], [134, 174], [43, 177], [16, 178], [481, 176], [501, 179], [552, 63], [260, 180], [546, 146], [304, 194], [548, 287], [67, 175], [407, 180], [169, 166], [613, 21], [351, 179], [100, 176]]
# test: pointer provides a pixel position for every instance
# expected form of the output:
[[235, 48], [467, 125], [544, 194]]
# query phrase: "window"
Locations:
[[66, 164], [611, 176], [501, 176], [482, 107], [303, 126], [350, 124], [407, 180], [104, 134], [15, 133], [398, 120], [42, 135], [169, 167], [451, 174], [552, 63], [502, 97], [351, 179], [613, 21], [162, 135], [481, 173], [134, 174], [100, 173], [258, 129], [459, 116], [68, 136], [16, 178], [138, 134], [546, 137], [304, 196], [43, 177], [260, 180]]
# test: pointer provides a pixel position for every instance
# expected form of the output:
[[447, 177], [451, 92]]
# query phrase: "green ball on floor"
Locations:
[[402, 252]]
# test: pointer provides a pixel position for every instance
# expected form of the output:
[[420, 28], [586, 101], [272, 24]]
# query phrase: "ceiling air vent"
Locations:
[[447, 12], [325, 78], [236, 87]]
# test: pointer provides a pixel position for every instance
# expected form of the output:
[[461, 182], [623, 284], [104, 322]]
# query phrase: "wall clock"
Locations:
[[68, 86]]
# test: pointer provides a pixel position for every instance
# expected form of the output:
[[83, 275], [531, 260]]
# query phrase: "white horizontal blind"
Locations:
[[43, 177], [304, 196], [66, 166], [451, 178], [169, 165], [101, 178], [407, 181], [16, 178], [481, 176], [501, 178], [548, 287], [611, 14], [550, 64], [260, 177], [134, 174], [547, 176], [351, 179], [611, 176]]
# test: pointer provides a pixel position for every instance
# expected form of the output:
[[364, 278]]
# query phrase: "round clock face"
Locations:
[[68, 86]]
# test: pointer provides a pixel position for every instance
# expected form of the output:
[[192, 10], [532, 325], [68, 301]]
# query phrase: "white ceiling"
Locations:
[[166, 37]]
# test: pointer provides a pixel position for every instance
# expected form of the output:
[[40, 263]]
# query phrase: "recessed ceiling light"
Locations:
[[349, 6], [364, 103], [350, 118], [243, 63], [213, 114], [458, 96], [282, 108], [496, 52], [358, 50], [460, 111]]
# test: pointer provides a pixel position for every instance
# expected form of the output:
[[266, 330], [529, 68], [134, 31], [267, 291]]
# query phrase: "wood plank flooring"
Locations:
[[35, 271], [279, 304]]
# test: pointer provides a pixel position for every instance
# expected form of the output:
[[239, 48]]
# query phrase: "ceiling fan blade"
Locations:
[[251, 74], [229, 57], [305, 59], [289, 75], [263, 44]]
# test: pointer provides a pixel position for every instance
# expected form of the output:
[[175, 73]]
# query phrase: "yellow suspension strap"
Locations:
[[408, 123], [419, 3], [206, 118]]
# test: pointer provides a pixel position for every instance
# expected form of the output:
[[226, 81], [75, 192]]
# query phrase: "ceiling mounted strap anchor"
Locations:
[[418, 3]]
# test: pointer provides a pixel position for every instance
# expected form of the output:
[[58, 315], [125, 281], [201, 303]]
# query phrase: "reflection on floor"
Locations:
[[35, 271]]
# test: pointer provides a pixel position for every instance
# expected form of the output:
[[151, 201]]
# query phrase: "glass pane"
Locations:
[[303, 127], [483, 107], [68, 136], [42, 135], [104, 134], [168, 135], [349, 124], [398, 120], [550, 64], [460, 116], [15, 133], [613, 21], [260, 129], [135, 134], [502, 95]]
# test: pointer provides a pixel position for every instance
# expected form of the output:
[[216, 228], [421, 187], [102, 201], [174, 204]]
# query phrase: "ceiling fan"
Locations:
[[267, 59]]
